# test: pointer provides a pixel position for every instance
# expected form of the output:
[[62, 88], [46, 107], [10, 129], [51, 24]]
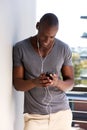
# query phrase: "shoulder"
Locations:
[[22, 43], [62, 45]]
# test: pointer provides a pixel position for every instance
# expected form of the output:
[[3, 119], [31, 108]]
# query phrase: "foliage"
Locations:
[[77, 67]]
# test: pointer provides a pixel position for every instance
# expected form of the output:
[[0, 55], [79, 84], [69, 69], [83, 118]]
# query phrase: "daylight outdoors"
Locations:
[[72, 16]]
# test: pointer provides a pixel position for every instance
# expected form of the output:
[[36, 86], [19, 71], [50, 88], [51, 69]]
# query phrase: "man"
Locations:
[[43, 70]]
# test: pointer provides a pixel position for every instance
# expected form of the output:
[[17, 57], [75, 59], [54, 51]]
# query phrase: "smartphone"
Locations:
[[49, 75]]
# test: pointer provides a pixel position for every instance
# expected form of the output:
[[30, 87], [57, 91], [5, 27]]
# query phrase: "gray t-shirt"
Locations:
[[42, 100]]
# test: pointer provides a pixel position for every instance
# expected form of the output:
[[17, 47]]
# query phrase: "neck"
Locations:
[[44, 51]]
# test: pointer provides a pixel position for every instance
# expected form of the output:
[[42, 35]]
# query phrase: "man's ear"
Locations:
[[37, 25]]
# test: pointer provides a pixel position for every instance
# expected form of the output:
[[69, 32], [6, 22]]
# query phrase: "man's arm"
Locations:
[[18, 80], [24, 85], [68, 78]]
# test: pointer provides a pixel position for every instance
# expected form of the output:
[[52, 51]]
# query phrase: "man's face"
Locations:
[[46, 34]]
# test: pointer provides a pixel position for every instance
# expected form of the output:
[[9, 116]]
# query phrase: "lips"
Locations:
[[44, 44]]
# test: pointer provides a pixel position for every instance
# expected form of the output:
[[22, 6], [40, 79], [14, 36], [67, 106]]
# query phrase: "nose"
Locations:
[[47, 39]]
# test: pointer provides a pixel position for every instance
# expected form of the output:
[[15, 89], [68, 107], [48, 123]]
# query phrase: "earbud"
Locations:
[[37, 25]]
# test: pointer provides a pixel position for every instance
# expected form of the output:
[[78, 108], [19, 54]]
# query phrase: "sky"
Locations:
[[71, 26]]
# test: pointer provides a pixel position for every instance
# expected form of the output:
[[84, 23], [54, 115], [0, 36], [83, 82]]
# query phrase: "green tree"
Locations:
[[77, 67]]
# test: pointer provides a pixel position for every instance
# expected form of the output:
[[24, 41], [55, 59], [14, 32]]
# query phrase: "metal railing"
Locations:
[[78, 101]]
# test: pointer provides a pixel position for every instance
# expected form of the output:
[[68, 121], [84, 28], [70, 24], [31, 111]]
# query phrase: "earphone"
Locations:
[[37, 25]]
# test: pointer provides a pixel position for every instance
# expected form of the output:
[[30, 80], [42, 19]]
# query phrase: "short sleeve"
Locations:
[[17, 56], [68, 56]]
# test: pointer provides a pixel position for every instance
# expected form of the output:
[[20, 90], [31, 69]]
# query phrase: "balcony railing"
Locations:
[[78, 104]]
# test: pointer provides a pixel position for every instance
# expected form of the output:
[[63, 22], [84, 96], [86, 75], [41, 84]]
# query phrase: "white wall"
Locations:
[[17, 21]]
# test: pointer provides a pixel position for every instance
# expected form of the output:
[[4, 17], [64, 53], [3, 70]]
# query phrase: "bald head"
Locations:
[[47, 28], [50, 19]]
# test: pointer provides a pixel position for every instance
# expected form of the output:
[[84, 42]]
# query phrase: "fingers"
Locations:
[[45, 80]]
